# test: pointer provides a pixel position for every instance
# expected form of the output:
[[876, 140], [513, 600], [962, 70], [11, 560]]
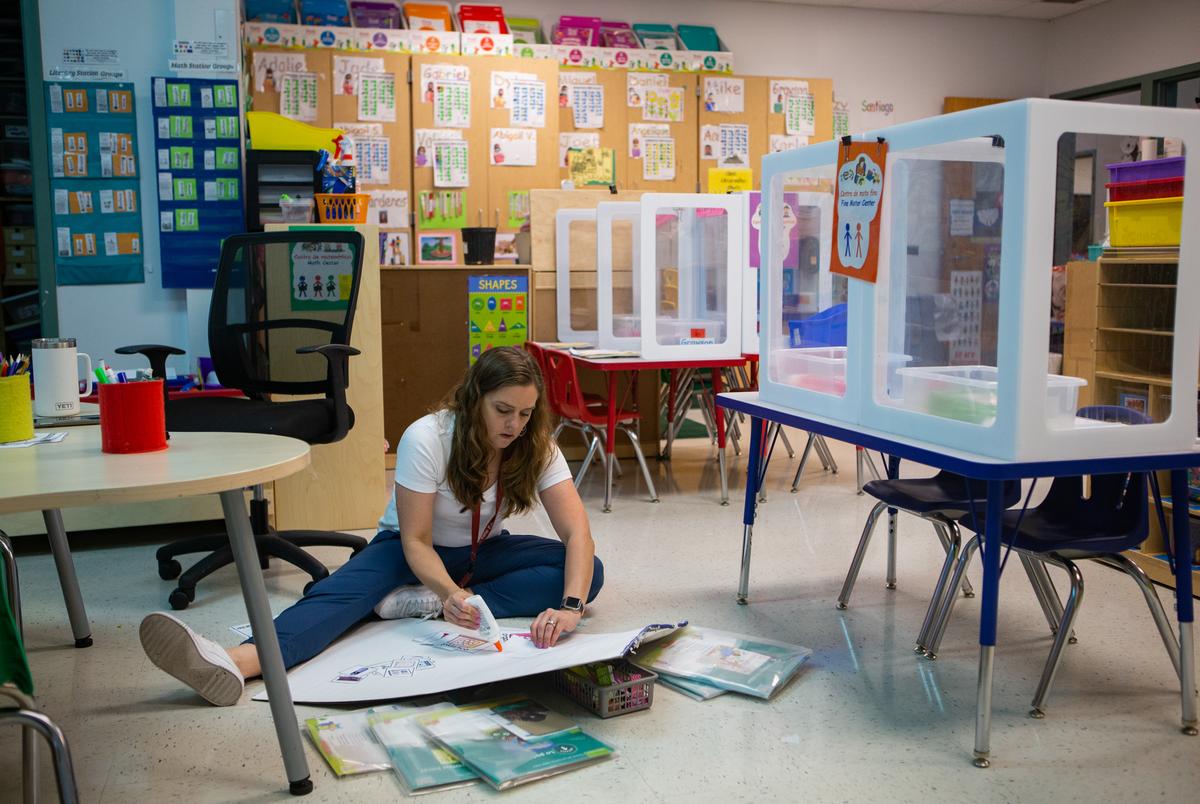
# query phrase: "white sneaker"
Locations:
[[409, 601], [196, 661]]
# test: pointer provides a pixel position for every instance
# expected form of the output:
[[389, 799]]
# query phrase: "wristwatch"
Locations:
[[571, 604]]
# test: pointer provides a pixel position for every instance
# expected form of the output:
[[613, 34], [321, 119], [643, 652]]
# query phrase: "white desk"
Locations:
[[75, 472]]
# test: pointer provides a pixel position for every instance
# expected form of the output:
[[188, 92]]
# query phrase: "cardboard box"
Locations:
[[18, 234], [20, 273], [19, 253]]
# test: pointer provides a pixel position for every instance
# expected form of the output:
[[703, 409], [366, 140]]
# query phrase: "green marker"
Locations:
[[101, 377]]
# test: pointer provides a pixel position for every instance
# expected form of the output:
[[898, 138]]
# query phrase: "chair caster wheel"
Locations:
[[180, 598], [1037, 714], [1190, 731], [169, 570], [1073, 640]]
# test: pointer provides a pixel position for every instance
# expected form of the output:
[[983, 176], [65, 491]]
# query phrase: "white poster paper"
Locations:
[[388, 208], [377, 97], [502, 82], [424, 139], [268, 67], [663, 104], [636, 85], [402, 658], [432, 74], [513, 147], [735, 146], [528, 105], [710, 142], [346, 70], [787, 142], [452, 104], [658, 162], [800, 115], [781, 90], [373, 157], [962, 217], [451, 163], [640, 132], [587, 105], [573, 78], [575, 139], [724, 95], [298, 96]]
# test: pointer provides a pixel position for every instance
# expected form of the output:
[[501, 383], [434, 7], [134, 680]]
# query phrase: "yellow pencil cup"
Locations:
[[16, 409]]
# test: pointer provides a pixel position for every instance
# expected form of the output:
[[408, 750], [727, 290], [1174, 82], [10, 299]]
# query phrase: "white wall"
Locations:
[[103, 317], [1120, 39], [911, 61]]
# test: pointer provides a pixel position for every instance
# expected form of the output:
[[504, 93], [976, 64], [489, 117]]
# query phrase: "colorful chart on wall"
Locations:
[[197, 142], [94, 183], [496, 312]]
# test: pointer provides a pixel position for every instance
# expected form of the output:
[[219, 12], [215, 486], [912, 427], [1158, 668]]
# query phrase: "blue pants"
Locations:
[[517, 576]]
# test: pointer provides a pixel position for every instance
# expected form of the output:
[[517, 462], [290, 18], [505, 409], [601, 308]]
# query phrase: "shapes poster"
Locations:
[[198, 146], [94, 183], [496, 312]]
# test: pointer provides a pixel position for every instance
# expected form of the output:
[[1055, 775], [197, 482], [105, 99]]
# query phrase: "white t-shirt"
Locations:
[[421, 459]]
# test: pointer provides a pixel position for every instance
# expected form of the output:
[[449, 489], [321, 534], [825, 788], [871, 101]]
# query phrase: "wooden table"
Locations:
[[49, 477]]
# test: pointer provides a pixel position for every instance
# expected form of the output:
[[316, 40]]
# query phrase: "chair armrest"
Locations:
[[155, 353], [338, 356]]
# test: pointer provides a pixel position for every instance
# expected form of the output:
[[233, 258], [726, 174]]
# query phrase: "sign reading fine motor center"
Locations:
[[856, 211]]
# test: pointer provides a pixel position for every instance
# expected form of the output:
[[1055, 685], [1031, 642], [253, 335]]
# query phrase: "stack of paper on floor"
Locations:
[[394, 659], [695, 657], [420, 766], [346, 742]]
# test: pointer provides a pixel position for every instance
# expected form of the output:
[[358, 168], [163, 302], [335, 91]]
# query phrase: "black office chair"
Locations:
[[280, 300]]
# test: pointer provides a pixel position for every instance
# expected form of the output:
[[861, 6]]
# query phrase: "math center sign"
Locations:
[[496, 312], [322, 276]]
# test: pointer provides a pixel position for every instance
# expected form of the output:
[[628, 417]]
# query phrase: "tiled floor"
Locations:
[[866, 720]]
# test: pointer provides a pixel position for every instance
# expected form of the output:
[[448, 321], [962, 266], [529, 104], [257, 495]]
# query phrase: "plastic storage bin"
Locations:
[[298, 210], [1150, 188], [823, 368], [1169, 168], [612, 699], [690, 331], [826, 328], [1147, 222], [342, 207], [968, 393]]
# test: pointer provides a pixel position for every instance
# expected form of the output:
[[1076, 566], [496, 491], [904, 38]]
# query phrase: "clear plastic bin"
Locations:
[[695, 330], [297, 210], [968, 394], [823, 368], [627, 326]]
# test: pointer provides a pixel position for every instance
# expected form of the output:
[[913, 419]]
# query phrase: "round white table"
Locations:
[[74, 472]]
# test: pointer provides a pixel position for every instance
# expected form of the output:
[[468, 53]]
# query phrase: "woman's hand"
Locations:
[[456, 610], [551, 624]]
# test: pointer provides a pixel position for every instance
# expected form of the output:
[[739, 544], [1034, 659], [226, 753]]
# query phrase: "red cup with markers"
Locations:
[[132, 417]]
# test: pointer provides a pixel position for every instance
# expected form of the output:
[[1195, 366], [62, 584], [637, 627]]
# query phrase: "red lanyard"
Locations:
[[478, 538]]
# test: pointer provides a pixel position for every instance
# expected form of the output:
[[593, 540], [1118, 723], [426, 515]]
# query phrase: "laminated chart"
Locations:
[[94, 183], [197, 145]]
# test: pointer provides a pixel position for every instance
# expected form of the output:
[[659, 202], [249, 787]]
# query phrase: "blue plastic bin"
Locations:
[[826, 328]]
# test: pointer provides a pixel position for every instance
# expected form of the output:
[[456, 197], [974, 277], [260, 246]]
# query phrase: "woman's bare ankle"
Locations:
[[246, 658]]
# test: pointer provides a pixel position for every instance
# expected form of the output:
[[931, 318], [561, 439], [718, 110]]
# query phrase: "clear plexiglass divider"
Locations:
[[951, 345], [618, 274], [691, 275], [575, 275]]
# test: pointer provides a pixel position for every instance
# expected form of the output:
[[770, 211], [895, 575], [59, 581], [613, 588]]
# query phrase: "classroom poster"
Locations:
[[199, 176], [441, 209], [268, 67], [388, 208], [730, 180], [322, 276], [800, 115], [423, 142], [658, 162], [710, 142], [452, 104], [663, 104], [451, 163], [856, 209], [346, 70], [726, 95], [513, 147], [962, 217], [640, 132], [95, 183], [592, 167], [297, 97], [506, 247], [431, 75], [566, 80], [528, 105], [782, 89], [518, 208], [394, 247], [496, 307], [636, 85], [575, 139], [373, 157], [377, 97], [587, 105], [966, 290], [786, 142], [501, 93], [735, 146], [841, 122]]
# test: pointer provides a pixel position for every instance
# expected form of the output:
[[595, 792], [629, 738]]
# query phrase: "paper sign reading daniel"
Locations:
[[856, 213]]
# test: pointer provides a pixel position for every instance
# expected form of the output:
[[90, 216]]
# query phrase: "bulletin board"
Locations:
[[612, 134], [198, 151], [821, 90], [681, 133], [382, 146], [732, 131], [268, 68], [94, 183]]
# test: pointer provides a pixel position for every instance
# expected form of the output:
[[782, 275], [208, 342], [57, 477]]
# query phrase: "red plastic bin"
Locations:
[[1140, 190], [1169, 168]]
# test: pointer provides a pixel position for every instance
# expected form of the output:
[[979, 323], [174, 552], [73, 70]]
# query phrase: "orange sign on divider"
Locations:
[[856, 209]]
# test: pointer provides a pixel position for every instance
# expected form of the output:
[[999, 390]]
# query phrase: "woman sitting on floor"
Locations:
[[484, 455]]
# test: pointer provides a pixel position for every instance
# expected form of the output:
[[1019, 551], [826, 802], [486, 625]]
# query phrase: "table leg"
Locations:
[[719, 415], [80, 627], [751, 503], [610, 440], [1184, 608], [672, 391], [241, 539], [991, 547], [893, 472]]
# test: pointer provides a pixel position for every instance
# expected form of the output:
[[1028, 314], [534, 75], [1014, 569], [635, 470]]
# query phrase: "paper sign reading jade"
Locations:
[[856, 210]]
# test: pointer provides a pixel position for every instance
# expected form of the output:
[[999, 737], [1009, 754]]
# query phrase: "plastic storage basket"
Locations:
[[1148, 222], [342, 207], [968, 393], [609, 700], [298, 210], [1150, 188], [1169, 168]]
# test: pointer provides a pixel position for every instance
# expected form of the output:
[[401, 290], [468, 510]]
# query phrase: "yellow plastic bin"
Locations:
[[1145, 222]]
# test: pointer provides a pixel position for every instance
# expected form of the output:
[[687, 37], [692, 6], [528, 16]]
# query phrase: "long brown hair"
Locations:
[[524, 459]]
